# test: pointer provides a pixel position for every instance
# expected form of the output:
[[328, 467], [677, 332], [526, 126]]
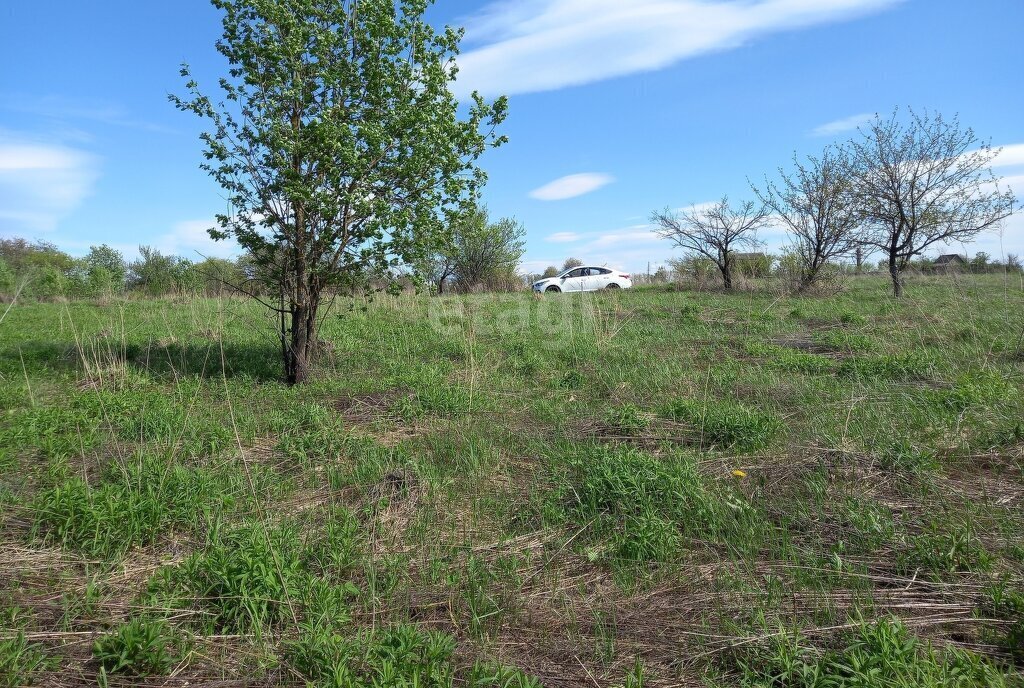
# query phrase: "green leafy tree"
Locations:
[[550, 271], [155, 273], [571, 263], [485, 253], [104, 257], [339, 144], [219, 276]]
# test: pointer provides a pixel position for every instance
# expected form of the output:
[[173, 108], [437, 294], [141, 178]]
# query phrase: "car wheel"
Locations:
[[552, 289], [613, 286]]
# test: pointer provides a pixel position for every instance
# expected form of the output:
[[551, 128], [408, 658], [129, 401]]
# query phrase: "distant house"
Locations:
[[950, 261]]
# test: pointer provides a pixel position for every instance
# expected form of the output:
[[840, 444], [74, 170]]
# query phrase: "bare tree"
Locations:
[[715, 231], [923, 182], [815, 205]]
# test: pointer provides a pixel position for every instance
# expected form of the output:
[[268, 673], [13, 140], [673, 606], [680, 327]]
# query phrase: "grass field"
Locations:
[[641, 488]]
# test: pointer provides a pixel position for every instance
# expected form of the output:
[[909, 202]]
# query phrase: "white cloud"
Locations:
[[630, 235], [571, 186], [541, 45], [41, 182], [1009, 155], [841, 126], [190, 239], [563, 237]]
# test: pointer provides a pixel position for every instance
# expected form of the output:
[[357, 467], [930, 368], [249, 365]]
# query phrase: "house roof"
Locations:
[[950, 258]]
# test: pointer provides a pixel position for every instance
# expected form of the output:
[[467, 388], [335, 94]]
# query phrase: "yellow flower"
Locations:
[[739, 474]]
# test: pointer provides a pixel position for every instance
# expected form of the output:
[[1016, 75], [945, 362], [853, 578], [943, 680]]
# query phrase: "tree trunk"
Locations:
[[897, 278], [726, 271], [301, 349]]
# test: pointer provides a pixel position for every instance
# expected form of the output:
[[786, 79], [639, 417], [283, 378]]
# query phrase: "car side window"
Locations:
[[579, 272], [604, 271]]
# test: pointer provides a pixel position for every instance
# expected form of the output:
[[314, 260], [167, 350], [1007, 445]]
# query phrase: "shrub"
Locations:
[[725, 424]]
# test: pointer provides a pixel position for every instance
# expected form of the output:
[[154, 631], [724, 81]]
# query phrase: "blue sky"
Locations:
[[617, 108]]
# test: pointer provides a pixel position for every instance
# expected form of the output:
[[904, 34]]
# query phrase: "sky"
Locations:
[[617, 108]]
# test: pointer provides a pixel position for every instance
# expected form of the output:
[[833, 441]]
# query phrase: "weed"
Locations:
[[20, 660], [976, 389], [946, 550], [626, 419], [141, 647], [901, 455], [402, 656], [647, 507], [725, 424], [896, 367], [883, 653], [572, 380], [1000, 601]]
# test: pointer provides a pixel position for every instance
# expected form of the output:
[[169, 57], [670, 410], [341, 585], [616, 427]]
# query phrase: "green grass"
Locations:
[[626, 489]]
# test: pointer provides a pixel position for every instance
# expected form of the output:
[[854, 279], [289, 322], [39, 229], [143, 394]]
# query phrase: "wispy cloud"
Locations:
[[637, 234], [526, 46], [841, 126], [58, 109], [41, 182], [191, 240], [563, 237], [571, 186]]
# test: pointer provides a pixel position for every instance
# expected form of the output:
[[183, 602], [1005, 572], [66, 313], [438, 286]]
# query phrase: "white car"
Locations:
[[584, 278]]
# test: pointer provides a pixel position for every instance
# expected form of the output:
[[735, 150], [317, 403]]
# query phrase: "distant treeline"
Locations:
[[39, 269], [788, 266]]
